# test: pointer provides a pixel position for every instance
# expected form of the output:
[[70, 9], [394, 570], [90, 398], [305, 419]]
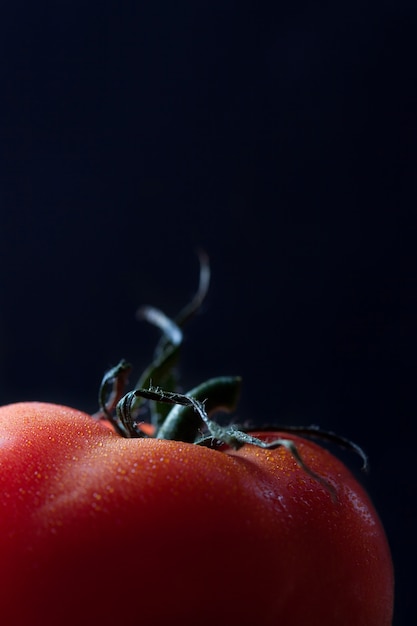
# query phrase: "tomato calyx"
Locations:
[[186, 417]]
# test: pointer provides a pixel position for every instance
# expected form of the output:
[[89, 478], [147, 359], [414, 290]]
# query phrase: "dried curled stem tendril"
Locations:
[[168, 347], [115, 379], [161, 369]]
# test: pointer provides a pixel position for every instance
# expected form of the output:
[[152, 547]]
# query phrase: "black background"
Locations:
[[281, 138]]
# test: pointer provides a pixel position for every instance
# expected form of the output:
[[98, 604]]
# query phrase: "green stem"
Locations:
[[183, 423]]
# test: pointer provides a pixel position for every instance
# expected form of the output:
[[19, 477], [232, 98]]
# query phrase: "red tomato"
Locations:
[[98, 529]]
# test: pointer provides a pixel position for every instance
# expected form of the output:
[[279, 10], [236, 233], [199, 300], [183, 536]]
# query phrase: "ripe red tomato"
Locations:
[[99, 529]]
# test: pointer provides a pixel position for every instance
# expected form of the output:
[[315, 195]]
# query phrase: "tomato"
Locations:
[[109, 520], [100, 529]]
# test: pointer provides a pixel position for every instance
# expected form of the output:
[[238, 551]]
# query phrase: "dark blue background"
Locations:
[[281, 137]]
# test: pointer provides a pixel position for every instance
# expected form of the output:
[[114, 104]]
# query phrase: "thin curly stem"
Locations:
[[116, 379], [194, 306], [315, 432], [172, 333], [161, 370]]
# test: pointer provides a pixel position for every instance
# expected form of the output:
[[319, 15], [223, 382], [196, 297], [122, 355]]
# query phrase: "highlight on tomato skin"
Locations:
[[97, 528]]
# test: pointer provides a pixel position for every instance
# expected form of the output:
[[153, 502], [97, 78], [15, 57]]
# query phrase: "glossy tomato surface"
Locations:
[[98, 529]]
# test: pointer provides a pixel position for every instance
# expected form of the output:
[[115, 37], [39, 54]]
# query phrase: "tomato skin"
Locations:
[[99, 529]]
